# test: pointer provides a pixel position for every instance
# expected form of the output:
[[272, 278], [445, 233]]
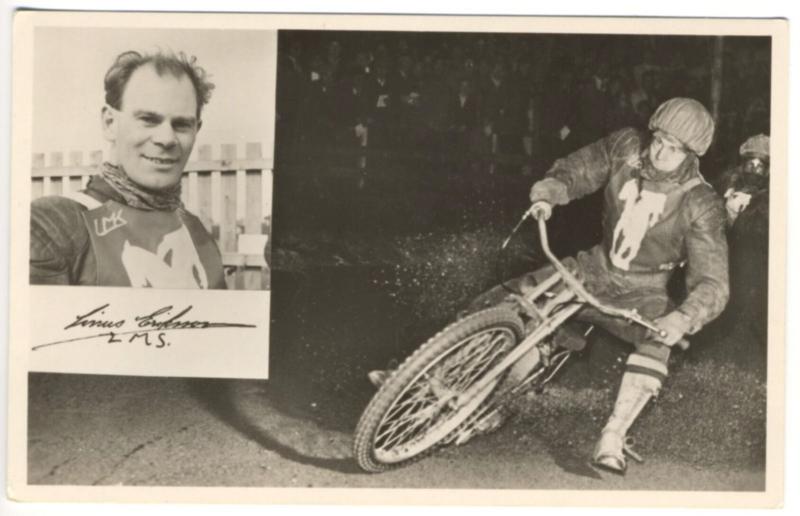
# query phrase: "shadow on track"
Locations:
[[217, 397]]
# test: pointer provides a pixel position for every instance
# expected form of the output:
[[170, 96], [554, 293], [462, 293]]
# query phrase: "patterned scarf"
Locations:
[[684, 171], [137, 197], [644, 169]]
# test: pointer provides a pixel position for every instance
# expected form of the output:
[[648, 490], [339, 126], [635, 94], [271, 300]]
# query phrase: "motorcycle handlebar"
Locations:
[[584, 295]]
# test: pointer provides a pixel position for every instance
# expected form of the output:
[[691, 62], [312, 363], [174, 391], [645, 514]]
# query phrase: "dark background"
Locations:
[[428, 171]]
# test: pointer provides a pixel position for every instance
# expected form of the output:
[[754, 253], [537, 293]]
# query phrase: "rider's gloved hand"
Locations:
[[541, 210], [735, 203], [545, 193], [676, 325]]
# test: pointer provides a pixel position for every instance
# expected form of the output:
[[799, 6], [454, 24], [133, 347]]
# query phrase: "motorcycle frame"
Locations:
[[553, 313]]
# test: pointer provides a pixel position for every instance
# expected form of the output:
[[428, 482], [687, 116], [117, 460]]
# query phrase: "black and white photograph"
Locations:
[[178, 197], [132, 205], [384, 254], [605, 342]]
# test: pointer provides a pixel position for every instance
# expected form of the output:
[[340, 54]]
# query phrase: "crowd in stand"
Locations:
[[477, 96]]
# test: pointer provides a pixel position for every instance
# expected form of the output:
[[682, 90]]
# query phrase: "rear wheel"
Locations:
[[416, 409]]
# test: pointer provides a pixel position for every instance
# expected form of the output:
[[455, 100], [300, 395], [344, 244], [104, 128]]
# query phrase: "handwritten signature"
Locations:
[[151, 328]]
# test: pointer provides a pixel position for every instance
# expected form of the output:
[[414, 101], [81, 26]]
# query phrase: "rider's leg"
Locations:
[[502, 293], [644, 374]]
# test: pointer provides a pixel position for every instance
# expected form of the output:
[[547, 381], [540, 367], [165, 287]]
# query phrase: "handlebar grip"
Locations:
[[683, 343]]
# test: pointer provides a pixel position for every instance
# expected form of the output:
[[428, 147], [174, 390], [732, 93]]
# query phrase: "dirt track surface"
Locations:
[[346, 301], [228, 433]]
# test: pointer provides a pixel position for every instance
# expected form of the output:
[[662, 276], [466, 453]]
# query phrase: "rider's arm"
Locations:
[[707, 260], [58, 240], [585, 170]]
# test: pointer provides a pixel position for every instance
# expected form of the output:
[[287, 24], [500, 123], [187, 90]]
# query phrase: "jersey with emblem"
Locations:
[[652, 221], [83, 240]]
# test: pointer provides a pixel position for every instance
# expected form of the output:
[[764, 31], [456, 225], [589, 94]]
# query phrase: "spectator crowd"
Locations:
[[477, 98]]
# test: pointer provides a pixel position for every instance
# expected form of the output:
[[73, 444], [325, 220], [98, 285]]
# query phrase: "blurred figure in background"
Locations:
[[745, 189]]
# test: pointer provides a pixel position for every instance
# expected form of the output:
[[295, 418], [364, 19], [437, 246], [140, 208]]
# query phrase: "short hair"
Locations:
[[178, 65]]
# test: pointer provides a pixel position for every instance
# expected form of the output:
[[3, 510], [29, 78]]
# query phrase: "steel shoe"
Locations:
[[609, 453]]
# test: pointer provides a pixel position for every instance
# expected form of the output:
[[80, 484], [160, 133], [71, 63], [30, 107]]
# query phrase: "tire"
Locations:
[[409, 406]]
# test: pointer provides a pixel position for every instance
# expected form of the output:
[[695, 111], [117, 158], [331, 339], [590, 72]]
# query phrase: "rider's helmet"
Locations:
[[755, 155], [756, 147], [687, 120]]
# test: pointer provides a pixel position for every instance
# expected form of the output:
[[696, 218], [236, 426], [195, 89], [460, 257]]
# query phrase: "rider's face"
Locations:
[[756, 166], [666, 152], [154, 131]]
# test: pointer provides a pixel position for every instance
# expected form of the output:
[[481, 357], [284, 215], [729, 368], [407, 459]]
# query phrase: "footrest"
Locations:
[[627, 448]]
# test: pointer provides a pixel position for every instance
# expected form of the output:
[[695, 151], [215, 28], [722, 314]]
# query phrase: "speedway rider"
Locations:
[[659, 214], [747, 184]]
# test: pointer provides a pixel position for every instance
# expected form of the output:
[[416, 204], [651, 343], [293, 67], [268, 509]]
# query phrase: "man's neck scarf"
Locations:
[[137, 197], [685, 171], [646, 170]]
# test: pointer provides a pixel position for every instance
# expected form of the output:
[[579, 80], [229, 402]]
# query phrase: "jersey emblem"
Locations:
[[175, 264], [640, 213]]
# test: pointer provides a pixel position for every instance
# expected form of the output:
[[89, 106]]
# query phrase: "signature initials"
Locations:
[[106, 225]]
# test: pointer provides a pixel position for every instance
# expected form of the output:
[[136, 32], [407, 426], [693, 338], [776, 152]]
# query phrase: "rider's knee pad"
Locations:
[[649, 372]]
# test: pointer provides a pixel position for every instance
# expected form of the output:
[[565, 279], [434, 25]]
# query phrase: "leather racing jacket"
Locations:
[[653, 222], [95, 238]]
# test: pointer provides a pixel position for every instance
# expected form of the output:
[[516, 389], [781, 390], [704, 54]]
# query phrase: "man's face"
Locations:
[[756, 165], [666, 152], [154, 132]]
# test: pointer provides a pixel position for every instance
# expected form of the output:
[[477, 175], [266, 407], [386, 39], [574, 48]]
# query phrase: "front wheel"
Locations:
[[416, 408]]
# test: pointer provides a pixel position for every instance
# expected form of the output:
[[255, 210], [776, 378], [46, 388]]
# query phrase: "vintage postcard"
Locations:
[[503, 260]]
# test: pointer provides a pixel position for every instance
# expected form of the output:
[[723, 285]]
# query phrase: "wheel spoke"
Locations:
[[409, 400], [412, 426], [481, 365], [407, 416], [455, 372], [466, 355], [415, 414]]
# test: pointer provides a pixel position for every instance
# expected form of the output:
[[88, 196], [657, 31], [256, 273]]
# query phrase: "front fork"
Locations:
[[546, 310], [550, 310]]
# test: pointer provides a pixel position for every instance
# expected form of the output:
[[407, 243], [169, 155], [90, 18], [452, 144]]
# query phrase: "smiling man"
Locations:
[[129, 227]]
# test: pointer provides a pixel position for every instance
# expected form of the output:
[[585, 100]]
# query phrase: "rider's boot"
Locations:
[[641, 381]]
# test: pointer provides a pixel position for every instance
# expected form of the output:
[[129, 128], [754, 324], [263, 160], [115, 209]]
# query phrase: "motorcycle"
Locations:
[[456, 385]]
